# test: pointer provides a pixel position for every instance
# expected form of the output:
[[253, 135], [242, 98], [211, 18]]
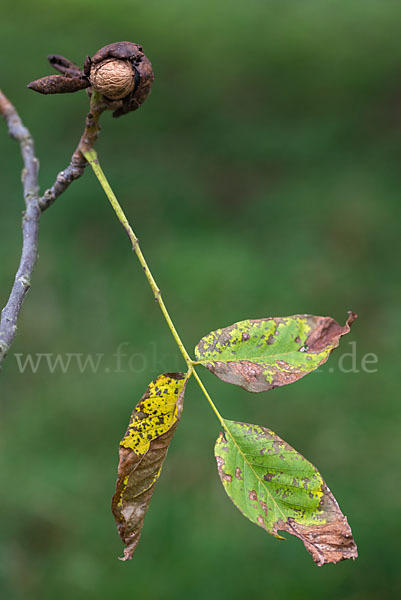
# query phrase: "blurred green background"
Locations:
[[262, 177]]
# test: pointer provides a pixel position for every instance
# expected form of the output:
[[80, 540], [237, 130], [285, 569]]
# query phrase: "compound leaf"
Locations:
[[262, 354], [142, 452], [278, 489]]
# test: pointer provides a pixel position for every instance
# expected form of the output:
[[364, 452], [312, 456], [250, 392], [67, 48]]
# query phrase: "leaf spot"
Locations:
[[238, 474], [263, 506]]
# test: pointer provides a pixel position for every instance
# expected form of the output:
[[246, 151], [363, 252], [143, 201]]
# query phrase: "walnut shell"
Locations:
[[112, 78]]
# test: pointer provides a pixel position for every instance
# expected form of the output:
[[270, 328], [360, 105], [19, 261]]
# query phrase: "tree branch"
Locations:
[[30, 225], [35, 205]]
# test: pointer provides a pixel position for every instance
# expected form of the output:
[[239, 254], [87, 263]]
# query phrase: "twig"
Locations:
[[35, 204], [78, 163]]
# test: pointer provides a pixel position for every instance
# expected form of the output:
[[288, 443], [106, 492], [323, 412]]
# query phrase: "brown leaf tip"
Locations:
[[351, 318], [330, 543], [327, 332]]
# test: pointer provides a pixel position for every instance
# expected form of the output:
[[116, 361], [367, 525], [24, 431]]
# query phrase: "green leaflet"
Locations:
[[142, 453], [262, 354], [278, 489]]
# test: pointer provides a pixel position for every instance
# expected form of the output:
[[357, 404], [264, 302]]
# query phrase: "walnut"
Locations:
[[112, 78], [120, 72]]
